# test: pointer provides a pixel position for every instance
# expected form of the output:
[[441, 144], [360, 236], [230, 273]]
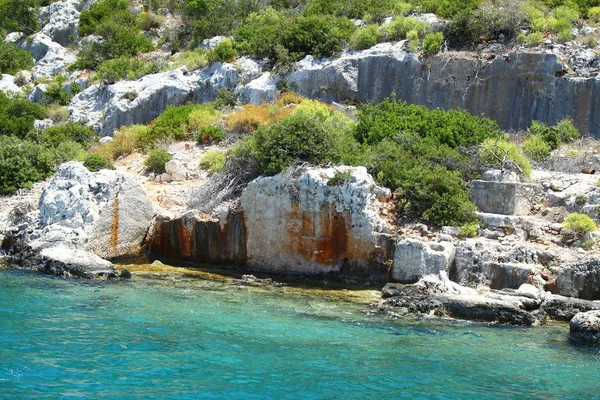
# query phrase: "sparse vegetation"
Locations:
[[212, 161], [156, 160], [579, 223]]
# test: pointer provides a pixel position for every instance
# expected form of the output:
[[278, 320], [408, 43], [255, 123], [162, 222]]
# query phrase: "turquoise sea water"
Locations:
[[198, 339]]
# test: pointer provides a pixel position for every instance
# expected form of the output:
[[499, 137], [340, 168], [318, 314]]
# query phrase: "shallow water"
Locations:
[[203, 339]]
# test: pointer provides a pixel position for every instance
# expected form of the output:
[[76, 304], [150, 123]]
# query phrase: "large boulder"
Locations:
[[106, 212], [302, 225], [108, 107], [584, 328], [51, 58], [260, 90], [580, 279], [414, 259]]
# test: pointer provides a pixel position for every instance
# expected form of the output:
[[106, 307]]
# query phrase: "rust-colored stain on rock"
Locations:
[[186, 237], [114, 228]]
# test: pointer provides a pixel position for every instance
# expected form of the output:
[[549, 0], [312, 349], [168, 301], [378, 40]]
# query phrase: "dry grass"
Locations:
[[249, 118], [288, 98], [125, 142]]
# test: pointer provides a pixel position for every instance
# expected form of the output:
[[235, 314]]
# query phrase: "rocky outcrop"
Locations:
[[51, 58], [580, 279], [8, 85], [512, 89], [108, 107], [303, 225], [507, 198], [563, 308], [584, 328], [60, 20], [82, 218], [414, 259], [260, 90]]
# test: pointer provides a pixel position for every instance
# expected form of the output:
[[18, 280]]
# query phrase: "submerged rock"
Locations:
[[584, 328]]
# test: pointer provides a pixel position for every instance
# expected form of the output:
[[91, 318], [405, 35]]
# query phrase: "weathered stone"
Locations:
[[513, 89], [178, 177], [172, 166], [302, 225], [165, 177], [109, 107], [38, 94], [63, 261], [581, 279], [497, 175], [506, 198], [564, 308], [263, 89], [105, 139], [584, 328], [414, 259], [60, 21], [8, 86]]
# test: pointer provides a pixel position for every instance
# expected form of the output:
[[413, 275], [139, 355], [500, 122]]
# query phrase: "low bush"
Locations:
[[100, 11], [156, 160], [67, 151], [124, 68], [56, 92], [469, 230], [554, 136], [95, 162], [22, 163], [225, 98], [18, 16], [191, 59], [261, 33], [318, 35], [432, 43], [57, 113], [340, 178], [124, 142], [536, 147], [223, 52], [579, 223], [13, 59], [210, 134], [17, 116], [594, 14], [147, 21], [453, 128], [69, 131], [365, 38], [399, 28], [249, 118], [212, 161], [499, 152]]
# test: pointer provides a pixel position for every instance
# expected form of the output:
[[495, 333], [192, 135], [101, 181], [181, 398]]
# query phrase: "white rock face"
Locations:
[[209, 44], [106, 212], [38, 94], [262, 89], [60, 20], [249, 69], [106, 108], [8, 85], [64, 261], [303, 225], [51, 58], [414, 259]]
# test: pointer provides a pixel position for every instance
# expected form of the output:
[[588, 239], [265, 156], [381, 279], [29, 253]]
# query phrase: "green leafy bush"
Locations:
[[55, 92], [594, 14], [13, 59], [500, 152], [261, 33], [18, 16], [453, 128], [399, 28], [212, 161], [210, 134], [318, 35], [579, 223], [95, 162], [156, 160], [365, 38], [70, 131], [191, 59], [99, 12], [223, 52], [432, 43], [67, 151], [536, 147], [23, 163], [17, 116], [554, 136], [122, 68], [469, 230]]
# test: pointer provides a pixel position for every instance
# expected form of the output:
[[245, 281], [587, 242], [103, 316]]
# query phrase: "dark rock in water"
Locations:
[[125, 274], [585, 328], [254, 281], [565, 308]]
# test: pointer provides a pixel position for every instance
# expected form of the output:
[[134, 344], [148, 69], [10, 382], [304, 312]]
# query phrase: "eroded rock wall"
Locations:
[[513, 89]]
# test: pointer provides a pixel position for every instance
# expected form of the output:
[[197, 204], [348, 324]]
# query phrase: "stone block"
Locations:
[[506, 198]]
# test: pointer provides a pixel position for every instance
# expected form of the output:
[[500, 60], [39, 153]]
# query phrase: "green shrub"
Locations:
[[179, 123], [70, 131], [212, 161], [67, 151], [594, 14], [13, 59], [55, 92], [469, 230], [191, 59], [565, 35], [17, 116], [124, 68], [147, 21], [500, 152], [398, 29], [453, 128], [339, 178], [225, 98], [534, 38], [536, 147], [318, 35], [432, 43], [464, 29], [210, 134], [23, 163], [261, 33], [365, 38], [563, 132], [223, 52], [18, 16], [156, 160], [305, 136], [100, 11], [579, 223], [95, 162]]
